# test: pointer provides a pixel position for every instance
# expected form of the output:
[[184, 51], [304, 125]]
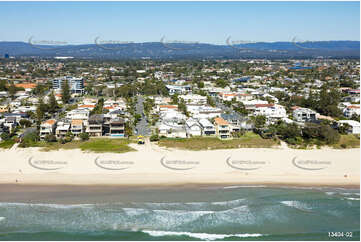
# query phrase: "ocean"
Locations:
[[187, 213]]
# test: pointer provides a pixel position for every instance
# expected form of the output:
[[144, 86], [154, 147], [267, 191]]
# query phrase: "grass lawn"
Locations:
[[97, 145], [249, 140], [348, 141], [7, 144]]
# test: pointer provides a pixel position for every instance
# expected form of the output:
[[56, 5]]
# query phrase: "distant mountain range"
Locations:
[[159, 50]]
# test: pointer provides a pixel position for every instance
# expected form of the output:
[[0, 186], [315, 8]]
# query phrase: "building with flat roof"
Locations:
[[76, 84]]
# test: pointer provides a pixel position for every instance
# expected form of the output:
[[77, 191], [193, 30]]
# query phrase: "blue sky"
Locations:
[[209, 22]]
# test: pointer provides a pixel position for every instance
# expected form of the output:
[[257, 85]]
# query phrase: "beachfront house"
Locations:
[[62, 129], [304, 115], [208, 128], [236, 121], [223, 130], [47, 128], [77, 127], [354, 126], [117, 128], [172, 130], [193, 128], [95, 125], [271, 111]]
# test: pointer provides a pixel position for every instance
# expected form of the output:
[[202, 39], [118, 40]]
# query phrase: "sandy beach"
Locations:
[[152, 165]]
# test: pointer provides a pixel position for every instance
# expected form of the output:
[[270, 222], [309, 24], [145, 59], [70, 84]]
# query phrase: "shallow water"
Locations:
[[206, 213]]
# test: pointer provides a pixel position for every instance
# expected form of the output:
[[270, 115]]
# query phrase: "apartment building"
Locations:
[[62, 129], [117, 127], [95, 125], [47, 128], [223, 130], [76, 84], [77, 127]]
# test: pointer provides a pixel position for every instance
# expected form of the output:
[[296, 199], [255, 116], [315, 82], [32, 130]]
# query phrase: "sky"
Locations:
[[205, 22]]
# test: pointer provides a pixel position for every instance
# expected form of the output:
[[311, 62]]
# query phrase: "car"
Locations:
[[140, 140]]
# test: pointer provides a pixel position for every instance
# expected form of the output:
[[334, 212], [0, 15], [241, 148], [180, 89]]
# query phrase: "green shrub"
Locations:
[[50, 138], [84, 136], [154, 137]]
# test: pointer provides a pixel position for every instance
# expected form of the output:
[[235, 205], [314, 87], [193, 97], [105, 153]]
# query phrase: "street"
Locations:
[[142, 127]]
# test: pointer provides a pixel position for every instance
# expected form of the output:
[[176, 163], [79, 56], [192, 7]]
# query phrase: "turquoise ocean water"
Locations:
[[207, 213]]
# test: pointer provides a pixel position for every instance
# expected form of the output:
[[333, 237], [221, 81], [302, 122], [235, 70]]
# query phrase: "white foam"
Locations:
[[297, 205], [203, 236], [2, 219], [230, 202], [242, 186], [352, 198]]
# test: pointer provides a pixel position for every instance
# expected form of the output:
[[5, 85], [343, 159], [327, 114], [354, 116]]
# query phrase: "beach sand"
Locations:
[[155, 166]]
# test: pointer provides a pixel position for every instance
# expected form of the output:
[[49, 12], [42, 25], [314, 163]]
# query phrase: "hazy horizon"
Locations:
[[203, 22]]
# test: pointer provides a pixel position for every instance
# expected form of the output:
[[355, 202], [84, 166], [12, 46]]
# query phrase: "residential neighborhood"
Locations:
[[68, 100]]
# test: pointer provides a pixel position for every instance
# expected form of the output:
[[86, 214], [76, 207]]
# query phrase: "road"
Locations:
[[142, 127]]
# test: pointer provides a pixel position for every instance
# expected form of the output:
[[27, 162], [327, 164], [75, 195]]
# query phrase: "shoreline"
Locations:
[[96, 194], [154, 166]]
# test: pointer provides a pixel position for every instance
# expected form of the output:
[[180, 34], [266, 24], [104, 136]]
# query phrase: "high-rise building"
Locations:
[[76, 84]]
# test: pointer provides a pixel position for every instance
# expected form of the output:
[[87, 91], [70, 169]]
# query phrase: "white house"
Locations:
[[62, 129], [172, 131], [351, 110], [304, 115], [354, 126], [208, 128], [271, 111], [172, 89], [47, 128], [194, 99], [82, 114], [193, 128]]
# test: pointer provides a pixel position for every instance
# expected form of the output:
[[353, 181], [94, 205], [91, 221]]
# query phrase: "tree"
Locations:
[[25, 123], [200, 84], [98, 109], [210, 101], [12, 90], [154, 137], [84, 136], [39, 112], [329, 135], [355, 117], [259, 121], [50, 138], [29, 139], [221, 83], [5, 136], [65, 92], [3, 86], [53, 104], [175, 99], [128, 129]]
